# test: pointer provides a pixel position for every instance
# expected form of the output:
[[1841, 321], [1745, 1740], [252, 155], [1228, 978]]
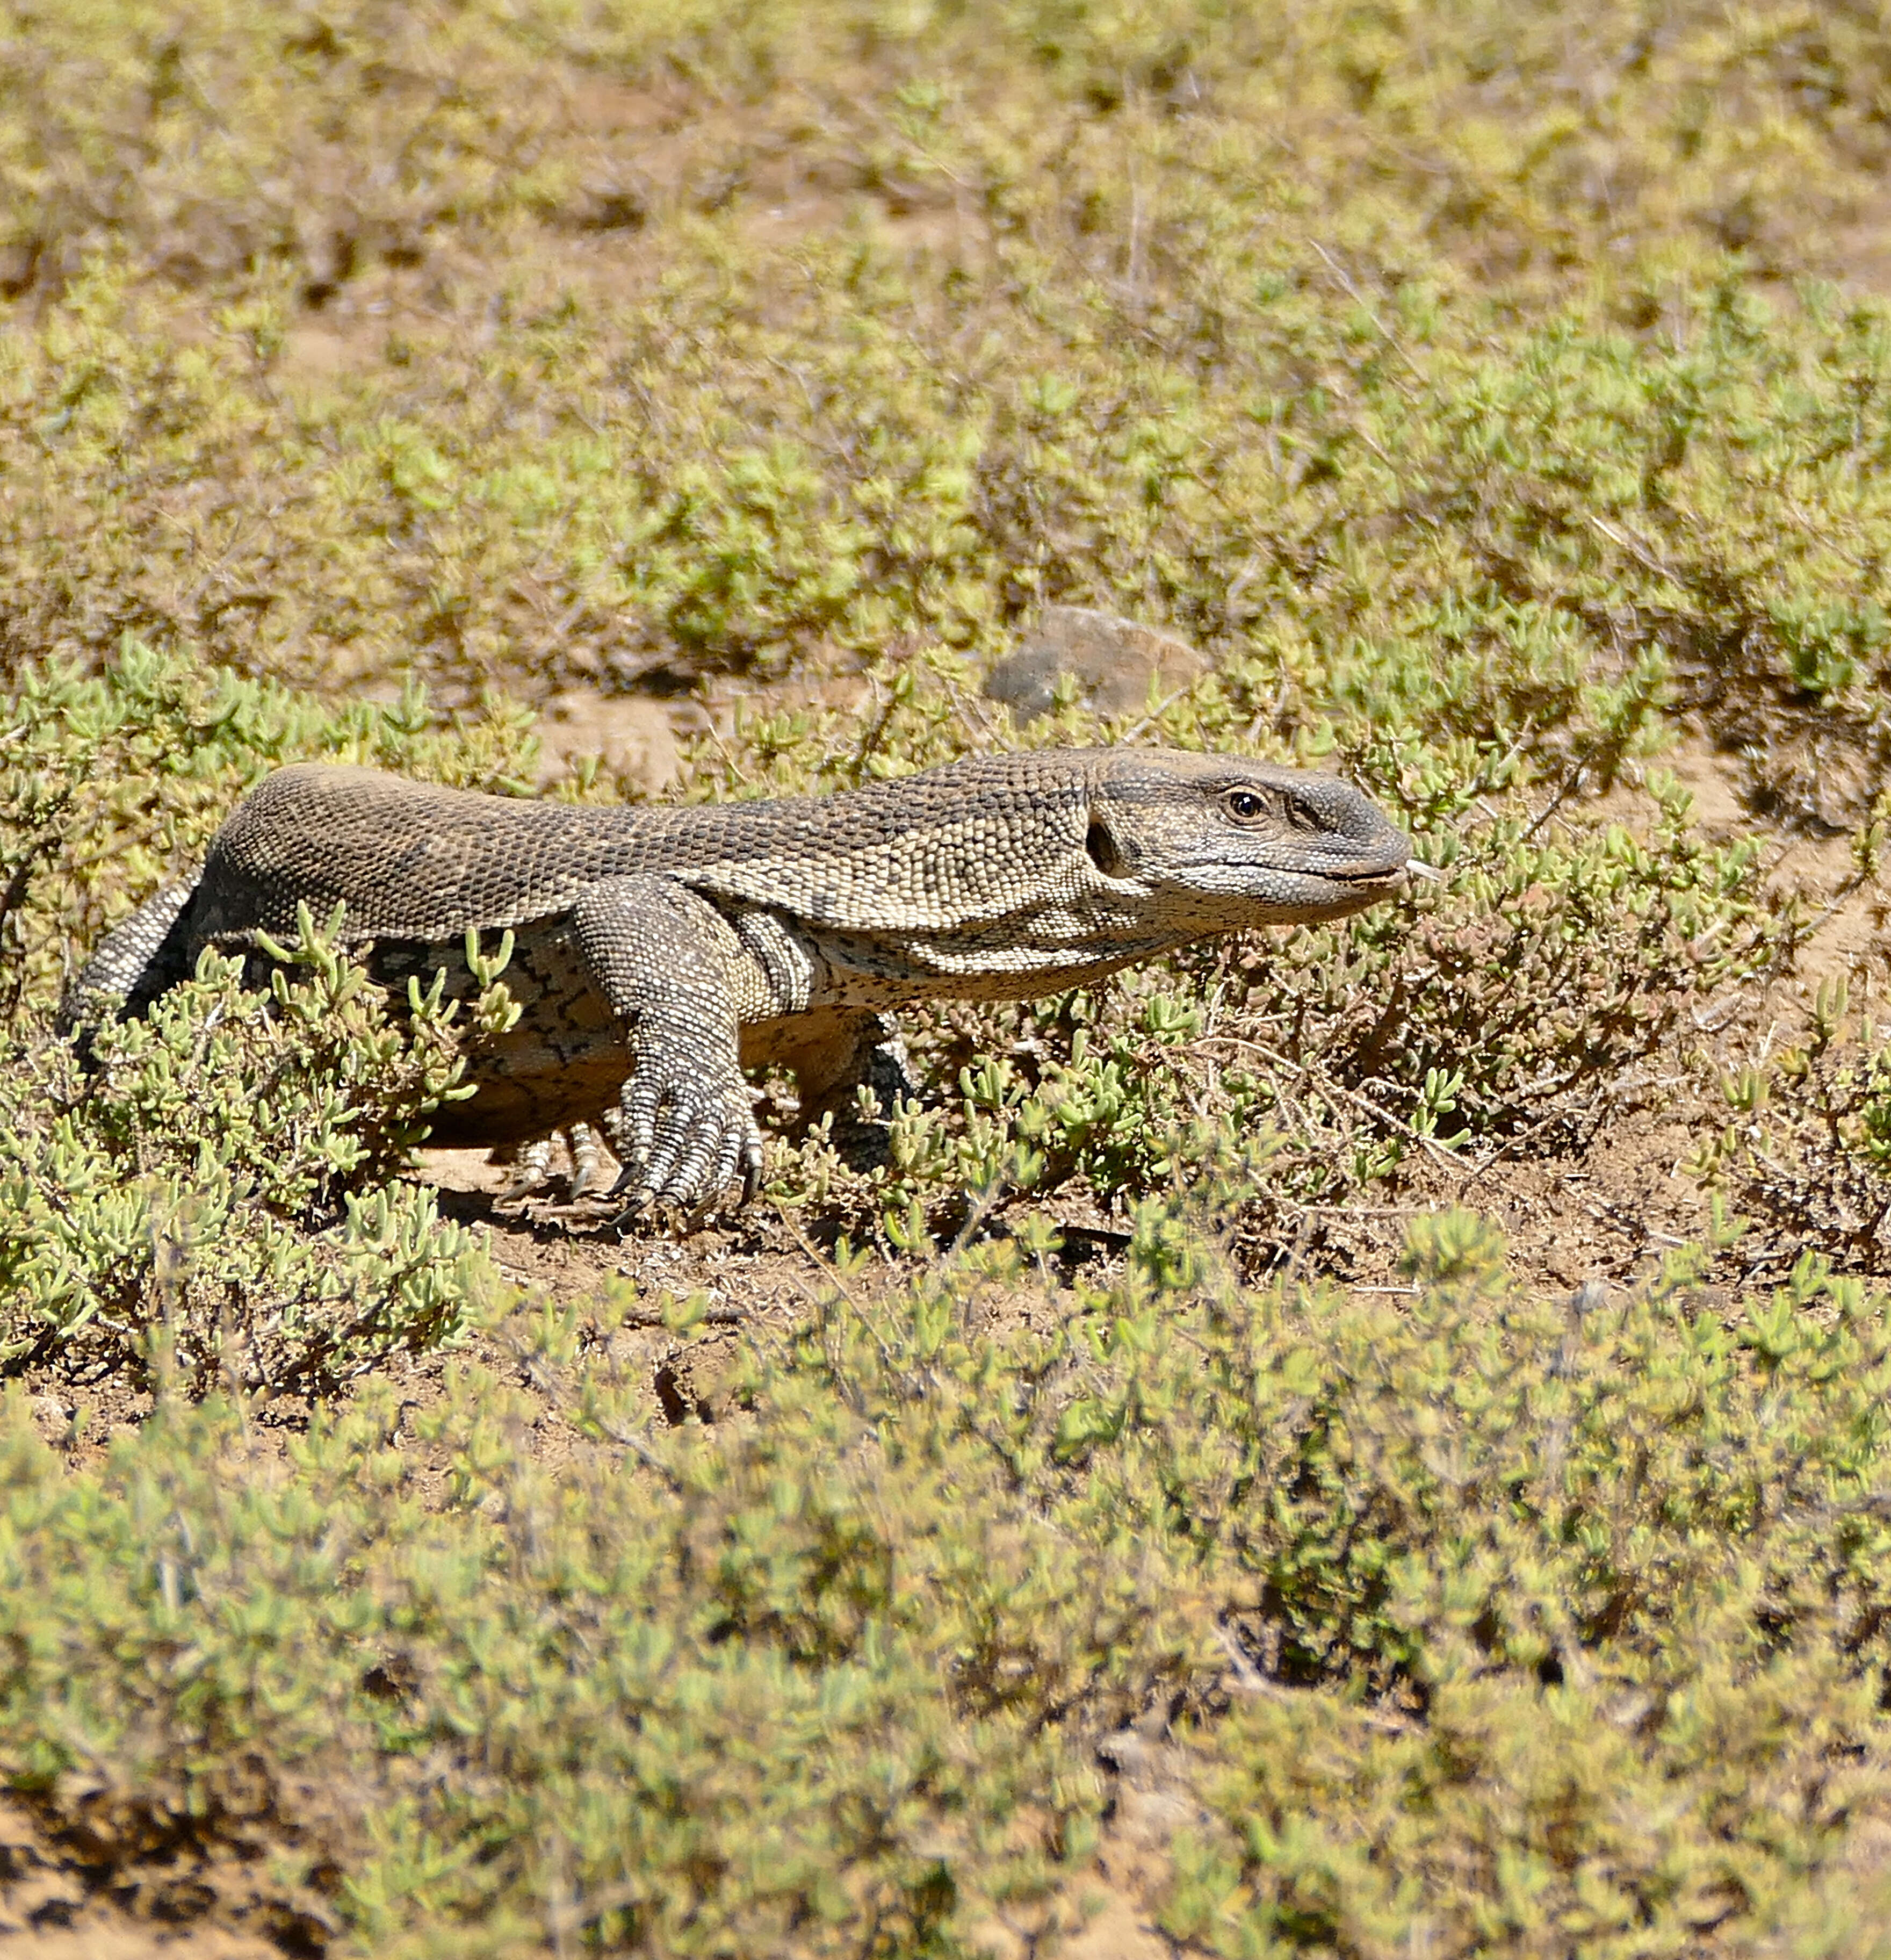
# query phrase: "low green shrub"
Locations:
[[1804, 1160], [1414, 362], [212, 1192], [1544, 1822], [1559, 1624], [1545, 534], [1484, 1617], [750, 1692], [220, 1180], [223, 141]]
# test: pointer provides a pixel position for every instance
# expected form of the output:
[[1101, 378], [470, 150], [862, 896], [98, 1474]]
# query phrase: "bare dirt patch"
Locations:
[[634, 737], [1608, 1212]]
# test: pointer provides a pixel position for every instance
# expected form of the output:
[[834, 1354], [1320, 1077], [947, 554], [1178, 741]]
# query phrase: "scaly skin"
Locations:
[[658, 952]]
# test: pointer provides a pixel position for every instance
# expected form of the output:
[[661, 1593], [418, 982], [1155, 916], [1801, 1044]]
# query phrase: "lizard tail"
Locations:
[[135, 963]]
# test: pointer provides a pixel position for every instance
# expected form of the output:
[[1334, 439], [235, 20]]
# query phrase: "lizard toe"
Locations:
[[693, 1186], [712, 1176], [689, 1131], [531, 1171], [751, 1165], [731, 1162], [658, 1116], [641, 1105], [587, 1160], [655, 1177]]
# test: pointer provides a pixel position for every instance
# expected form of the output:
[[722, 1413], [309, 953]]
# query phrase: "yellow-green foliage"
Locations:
[[1167, 307], [1426, 518], [1461, 378], [217, 1177], [215, 136], [826, 1677], [211, 1193]]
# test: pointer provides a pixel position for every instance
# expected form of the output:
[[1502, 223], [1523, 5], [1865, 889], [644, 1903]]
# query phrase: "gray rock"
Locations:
[[1112, 661]]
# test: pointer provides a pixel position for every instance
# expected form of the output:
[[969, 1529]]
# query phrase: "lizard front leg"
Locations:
[[682, 983]]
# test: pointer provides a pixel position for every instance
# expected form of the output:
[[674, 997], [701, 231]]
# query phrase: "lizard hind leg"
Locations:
[[854, 1051]]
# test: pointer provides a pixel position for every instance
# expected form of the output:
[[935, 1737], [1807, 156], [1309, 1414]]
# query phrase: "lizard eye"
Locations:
[[1243, 805]]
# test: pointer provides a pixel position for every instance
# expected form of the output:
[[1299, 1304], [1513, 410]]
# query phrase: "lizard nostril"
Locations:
[[1101, 847]]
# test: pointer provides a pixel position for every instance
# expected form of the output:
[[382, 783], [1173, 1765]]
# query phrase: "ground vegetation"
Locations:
[[1365, 1440]]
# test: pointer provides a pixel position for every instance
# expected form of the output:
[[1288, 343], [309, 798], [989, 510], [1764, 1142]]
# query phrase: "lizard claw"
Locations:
[[685, 1136], [751, 1165], [531, 1165], [587, 1159], [531, 1170]]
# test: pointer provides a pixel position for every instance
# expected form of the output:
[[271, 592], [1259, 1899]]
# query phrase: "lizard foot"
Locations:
[[685, 1137], [531, 1171]]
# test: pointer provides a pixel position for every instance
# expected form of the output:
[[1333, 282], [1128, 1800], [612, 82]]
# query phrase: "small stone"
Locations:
[[50, 1418], [1113, 661]]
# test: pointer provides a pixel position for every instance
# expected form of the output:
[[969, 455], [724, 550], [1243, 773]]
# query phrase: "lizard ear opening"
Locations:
[[1100, 847]]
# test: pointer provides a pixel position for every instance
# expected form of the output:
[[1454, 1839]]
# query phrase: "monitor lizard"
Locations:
[[660, 951]]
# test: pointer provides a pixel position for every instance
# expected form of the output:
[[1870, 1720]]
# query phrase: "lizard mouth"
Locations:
[[1362, 883], [1369, 874]]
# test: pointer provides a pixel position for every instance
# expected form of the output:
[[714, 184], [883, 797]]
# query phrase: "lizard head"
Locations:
[[1241, 843]]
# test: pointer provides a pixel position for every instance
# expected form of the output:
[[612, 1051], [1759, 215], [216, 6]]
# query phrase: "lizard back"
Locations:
[[413, 860]]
